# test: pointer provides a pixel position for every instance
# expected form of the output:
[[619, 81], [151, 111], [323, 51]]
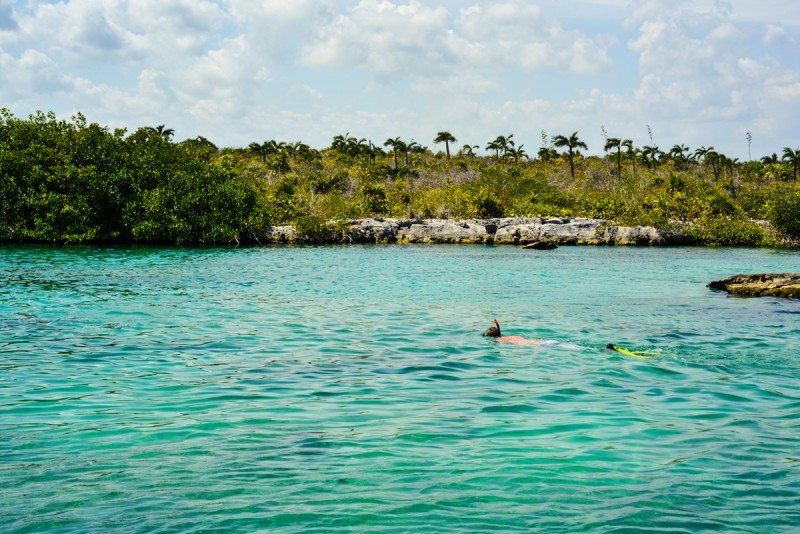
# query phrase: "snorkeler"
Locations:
[[517, 340], [495, 333]]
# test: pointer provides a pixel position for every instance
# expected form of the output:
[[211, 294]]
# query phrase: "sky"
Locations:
[[698, 72]]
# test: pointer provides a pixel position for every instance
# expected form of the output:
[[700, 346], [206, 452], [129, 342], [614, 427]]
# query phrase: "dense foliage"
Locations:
[[77, 182], [69, 181]]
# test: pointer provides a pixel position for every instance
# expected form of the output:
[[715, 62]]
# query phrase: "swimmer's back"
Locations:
[[519, 340]]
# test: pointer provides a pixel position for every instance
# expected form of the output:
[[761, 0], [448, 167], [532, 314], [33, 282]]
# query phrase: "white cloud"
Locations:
[[775, 35], [458, 84], [30, 75], [145, 31], [687, 62], [406, 40], [766, 12], [221, 82], [239, 70], [277, 28], [696, 71], [517, 35], [390, 40]]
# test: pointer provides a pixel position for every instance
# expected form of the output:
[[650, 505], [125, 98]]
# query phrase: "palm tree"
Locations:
[[446, 138], [793, 158], [288, 149], [256, 149], [396, 144], [547, 153], [267, 148], [766, 160], [165, 133], [504, 142], [492, 145], [708, 155], [341, 143], [633, 153], [413, 148], [614, 142], [305, 152], [371, 152], [296, 147], [501, 144], [467, 150], [650, 154], [700, 153], [679, 154], [360, 147], [516, 153], [573, 144]]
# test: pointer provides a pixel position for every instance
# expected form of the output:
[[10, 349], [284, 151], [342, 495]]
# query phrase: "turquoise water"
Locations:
[[348, 389]]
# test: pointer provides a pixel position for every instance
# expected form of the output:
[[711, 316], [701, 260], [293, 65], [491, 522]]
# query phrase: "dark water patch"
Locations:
[[729, 397], [411, 369], [328, 393], [610, 384], [707, 416], [428, 437], [563, 395], [460, 365], [509, 408], [441, 376]]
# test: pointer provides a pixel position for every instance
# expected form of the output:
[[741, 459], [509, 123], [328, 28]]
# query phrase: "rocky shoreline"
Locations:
[[785, 285], [538, 232]]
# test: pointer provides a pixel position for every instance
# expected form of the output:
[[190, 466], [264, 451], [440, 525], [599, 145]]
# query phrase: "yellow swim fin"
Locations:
[[613, 347]]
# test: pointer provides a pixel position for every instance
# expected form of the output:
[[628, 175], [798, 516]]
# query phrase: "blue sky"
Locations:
[[700, 73]]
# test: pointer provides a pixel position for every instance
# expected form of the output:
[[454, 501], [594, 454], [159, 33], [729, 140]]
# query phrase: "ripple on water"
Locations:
[[167, 390]]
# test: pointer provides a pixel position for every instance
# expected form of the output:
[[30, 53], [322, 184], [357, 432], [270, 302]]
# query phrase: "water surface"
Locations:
[[348, 389]]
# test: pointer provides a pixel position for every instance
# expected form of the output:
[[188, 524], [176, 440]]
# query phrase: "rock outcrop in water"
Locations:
[[786, 285], [546, 232]]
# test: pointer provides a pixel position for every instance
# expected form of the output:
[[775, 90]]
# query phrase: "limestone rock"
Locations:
[[785, 285], [280, 234], [443, 231], [375, 230], [509, 231]]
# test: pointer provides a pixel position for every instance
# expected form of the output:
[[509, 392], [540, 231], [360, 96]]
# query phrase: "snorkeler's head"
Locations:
[[493, 331]]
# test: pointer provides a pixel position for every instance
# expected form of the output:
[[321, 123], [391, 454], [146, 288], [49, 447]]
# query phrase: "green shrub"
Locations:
[[726, 231], [312, 226], [784, 213], [600, 206], [371, 200]]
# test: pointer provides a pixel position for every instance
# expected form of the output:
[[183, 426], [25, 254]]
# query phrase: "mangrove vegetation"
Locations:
[[80, 182]]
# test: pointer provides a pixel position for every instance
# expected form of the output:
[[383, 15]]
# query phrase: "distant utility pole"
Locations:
[[749, 137]]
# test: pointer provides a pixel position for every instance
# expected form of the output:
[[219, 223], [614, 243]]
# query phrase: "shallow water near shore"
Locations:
[[348, 389]]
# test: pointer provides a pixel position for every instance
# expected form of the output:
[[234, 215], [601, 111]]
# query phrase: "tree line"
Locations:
[[64, 182], [504, 147], [72, 181]]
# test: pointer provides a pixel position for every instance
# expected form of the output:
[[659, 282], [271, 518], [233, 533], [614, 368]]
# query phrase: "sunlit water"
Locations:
[[348, 389]]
